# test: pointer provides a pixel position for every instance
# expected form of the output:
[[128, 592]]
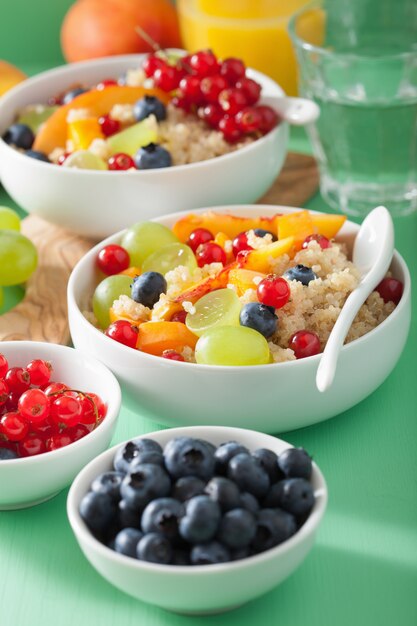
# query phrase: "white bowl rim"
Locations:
[[62, 69], [228, 368], [310, 525], [107, 422]]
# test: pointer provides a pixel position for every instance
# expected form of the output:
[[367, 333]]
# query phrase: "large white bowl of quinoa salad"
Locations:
[[206, 169], [272, 398]]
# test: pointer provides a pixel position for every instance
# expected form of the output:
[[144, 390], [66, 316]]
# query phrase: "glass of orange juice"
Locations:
[[253, 30]]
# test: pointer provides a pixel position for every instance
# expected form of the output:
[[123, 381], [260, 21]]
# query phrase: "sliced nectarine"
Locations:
[[221, 239], [53, 133], [132, 271], [155, 337], [164, 312], [244, 279], [328, 225], [231, 225], [211, 283], [114, 317], [298, 225], [83, 132], [260, 260]]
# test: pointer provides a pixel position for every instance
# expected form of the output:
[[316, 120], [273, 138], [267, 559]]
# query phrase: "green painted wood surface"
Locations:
[[363, 568]]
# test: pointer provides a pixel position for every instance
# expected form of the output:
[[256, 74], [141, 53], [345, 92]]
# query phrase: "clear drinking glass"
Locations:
[[363, 75]]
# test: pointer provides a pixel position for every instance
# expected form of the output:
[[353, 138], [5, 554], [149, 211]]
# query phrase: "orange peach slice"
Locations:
[[114, 317], [230, 225], [53, 133], [206, 285], [155, 337], [328, 224], [260, 260], [244, 279], [83, 132], [132, 271], [298, 225]]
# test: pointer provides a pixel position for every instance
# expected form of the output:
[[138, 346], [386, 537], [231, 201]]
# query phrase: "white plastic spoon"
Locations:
[[372, 254], [295, 111]]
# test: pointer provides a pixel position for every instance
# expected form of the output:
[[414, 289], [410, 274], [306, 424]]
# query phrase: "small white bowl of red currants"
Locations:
[[58, 410]]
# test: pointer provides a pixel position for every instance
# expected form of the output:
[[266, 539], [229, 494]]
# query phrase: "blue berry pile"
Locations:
[[195, 504]]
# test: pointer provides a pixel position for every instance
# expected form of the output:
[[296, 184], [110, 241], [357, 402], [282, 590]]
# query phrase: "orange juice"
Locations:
[[253, 30]]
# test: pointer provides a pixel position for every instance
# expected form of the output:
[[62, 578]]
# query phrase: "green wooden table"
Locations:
[[363, 568]]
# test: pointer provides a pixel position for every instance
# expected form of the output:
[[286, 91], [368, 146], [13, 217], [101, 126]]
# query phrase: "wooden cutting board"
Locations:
[[42, 314]]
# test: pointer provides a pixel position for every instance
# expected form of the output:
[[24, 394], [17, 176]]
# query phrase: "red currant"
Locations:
[[121, 161], [17, 379], [211, 86], [273, 291], [39, 372], [100, 406], [60, 440], [66, 410], [232, 100], [123, 332], [30, 446], [167, 77], [210, 253], [233, 70], [179, 316], [230, 130], [304, 343], [89, 411], [250, 88], [199, 236], [108, 125], [203, 63], [107, 82], [54, 387], [182, 103], [77, 432], [249, 120], [390, 290], [190, 89], [211, 114], [240, 243], [184, 63], [270, 118], [4, 366], [151, 64], [113, 259], [63, 157], [34, 405], [321, 240], [172, 355], [4, 392], [14, 426], [12, 400]]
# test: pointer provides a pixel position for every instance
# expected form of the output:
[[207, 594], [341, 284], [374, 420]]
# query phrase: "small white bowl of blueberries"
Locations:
[[198, 520]]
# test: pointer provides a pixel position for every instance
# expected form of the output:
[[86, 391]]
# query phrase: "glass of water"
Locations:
[[361, 69]]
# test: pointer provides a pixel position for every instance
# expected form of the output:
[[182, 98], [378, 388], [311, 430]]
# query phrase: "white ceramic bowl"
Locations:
[[98, 204], [198, 589], [271, 398], [29, 481]]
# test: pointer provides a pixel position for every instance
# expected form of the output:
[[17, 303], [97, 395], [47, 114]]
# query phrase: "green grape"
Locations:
[[34, 116], [217, 308], [106, 293], [232, 345], [84, 160], [18, 258], [144, 238], [131, 139], [9, 219], [170, 257]]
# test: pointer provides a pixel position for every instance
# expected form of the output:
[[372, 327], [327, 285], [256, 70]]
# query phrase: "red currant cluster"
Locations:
[[39, 415], [219, 92]]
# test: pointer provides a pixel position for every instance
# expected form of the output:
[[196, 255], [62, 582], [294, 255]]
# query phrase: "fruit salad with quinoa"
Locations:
[[219, 289], [173, 110]]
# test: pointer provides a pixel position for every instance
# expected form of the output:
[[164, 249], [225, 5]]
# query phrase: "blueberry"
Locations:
[[249, 502], [144, 484], [225, 452], [151, 157], [19, 135], [109, 484], [294, 495], [210, 553], [237, 528], [147, 288], [259, 317], [261, 232], [248, 474], [125, 454], [162, 516], [273, 526], [148, 456], [189, 457], [224, 492], [7, 455], [126, 541], [154, 548], [70, 95], [187, 487], [181, 556], [36, 154], [201, 519], [295, 463], [269, 461], [98, 510], [127, 516], [301, 273], [149, 105], [240, 553]]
